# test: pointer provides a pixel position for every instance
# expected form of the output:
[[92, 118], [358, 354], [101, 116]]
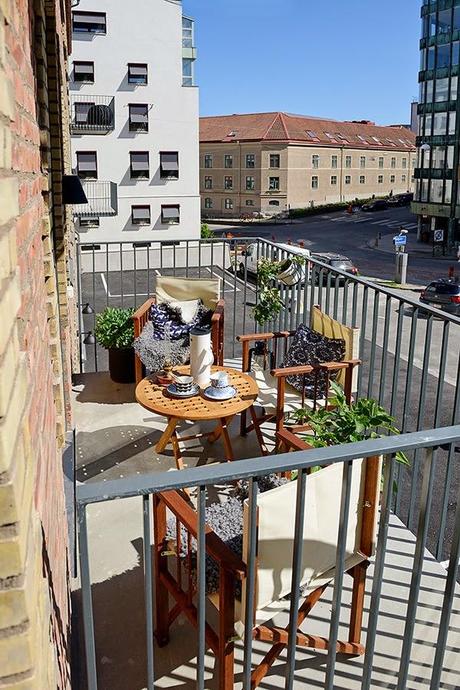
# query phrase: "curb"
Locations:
[[415, 252], [384, 283]]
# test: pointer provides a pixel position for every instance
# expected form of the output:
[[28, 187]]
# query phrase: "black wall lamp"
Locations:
[[72, 190]]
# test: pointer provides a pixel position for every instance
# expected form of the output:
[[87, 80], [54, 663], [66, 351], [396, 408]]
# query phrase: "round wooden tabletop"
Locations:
[[155, 398]]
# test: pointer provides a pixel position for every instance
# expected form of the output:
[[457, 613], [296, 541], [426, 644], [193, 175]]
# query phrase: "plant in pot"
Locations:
[[115, 331], [269, 301], [342, 422]]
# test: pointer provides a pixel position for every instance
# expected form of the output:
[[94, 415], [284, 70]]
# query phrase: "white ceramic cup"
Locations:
[[183, 383], [219, 379]]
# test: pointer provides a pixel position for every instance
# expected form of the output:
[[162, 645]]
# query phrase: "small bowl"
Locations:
[[183, 383], [163, 379]]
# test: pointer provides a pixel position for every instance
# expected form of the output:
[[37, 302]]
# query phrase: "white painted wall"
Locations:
[[143, 31]]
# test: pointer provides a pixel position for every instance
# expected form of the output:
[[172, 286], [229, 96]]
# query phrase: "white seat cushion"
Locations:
[[268, 392]]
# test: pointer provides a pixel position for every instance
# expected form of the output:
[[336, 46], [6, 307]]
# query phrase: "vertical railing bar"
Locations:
[[375, 325], [148, 272], [447, 603], [234, 303], [174, 259], [296, 576], [81, 326], [135, 275], [442, 372], [421, 410], [87, 601], [308, 277], [328, 291], [212, 259], [386, 335], [320, 287], [424, 515], [354, 309], [223, 267], [245, 284], [362, 338], [388, 474], [257, 282], [201, 586], [94, 305], [336, 295], [161, 257], [397, 359], [122, 291], [148, 590], [200, 244], [250, 583], [299, 288], [186, 257], [338, 578], [345, 302], [107, 273], [313, 278]]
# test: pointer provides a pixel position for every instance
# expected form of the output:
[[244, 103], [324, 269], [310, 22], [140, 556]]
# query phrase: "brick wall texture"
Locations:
[[36, 336]]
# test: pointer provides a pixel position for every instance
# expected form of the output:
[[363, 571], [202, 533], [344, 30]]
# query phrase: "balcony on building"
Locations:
[[92, 114], [102, 199]]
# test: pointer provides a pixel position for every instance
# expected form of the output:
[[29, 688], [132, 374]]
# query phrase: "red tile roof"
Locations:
[[303, 130]]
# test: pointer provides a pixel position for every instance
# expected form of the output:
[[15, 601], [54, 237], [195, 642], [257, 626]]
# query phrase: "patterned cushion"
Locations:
[[167, 317], [309, 347]]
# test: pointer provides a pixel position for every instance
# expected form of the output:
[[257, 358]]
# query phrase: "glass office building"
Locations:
[[436, 199]]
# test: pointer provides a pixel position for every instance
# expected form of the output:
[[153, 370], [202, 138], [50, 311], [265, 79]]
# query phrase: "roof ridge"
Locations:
[[284, 124]]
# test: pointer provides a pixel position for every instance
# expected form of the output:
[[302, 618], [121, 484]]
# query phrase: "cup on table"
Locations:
[[184, 384], [219, 379]]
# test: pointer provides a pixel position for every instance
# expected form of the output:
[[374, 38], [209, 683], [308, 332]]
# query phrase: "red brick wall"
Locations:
[[35, 349]]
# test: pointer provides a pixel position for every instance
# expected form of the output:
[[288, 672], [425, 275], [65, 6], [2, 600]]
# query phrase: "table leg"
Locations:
[[224, 423], [256, 424], [166, 435]]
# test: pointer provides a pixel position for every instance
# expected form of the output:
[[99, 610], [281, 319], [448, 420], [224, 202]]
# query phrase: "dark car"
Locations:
[[335, 261], [444, 294], [400, 199], [376, 205]]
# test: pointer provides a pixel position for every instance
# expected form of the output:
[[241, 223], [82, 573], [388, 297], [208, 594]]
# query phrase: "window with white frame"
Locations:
[[170, 214], [381, 162], [274, 160], [347, 179], [208, 182], [250, 182], [228, 204], [404, 162], [315, 161], [83, 71], [333, 180], [250, 160], [81, 109], [89, 222], [139, 164], [140, 215], [228, 182], [208, 160], [138, 117], [273, 183], [403, 178], [392, 178], [273, 202], [169, 164], [87, 164], [334, 160], [380, 179], [228, 161], [348, 161], [249, 202], [362, 161], [208, 202], [137, 73], [393, 162], [314, 182], [362, 179], [89, 22]]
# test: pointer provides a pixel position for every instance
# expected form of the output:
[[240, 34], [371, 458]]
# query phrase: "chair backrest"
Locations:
[[329, 327], [183, 289], [276, 529]]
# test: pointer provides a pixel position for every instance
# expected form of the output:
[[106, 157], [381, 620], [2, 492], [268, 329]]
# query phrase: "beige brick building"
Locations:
[[36, 344], [272, 162]]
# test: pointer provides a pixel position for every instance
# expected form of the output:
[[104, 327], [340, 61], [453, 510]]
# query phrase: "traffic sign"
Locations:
[[400, 240], [439, 235]]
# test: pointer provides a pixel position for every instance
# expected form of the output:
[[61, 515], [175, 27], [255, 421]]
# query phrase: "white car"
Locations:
[[249, 258]]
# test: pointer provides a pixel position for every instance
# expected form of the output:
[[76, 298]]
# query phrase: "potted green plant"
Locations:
[[115, 331], [269, 302], [347, 423]]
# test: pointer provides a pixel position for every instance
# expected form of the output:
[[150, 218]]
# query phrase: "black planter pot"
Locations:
[[121, 365]]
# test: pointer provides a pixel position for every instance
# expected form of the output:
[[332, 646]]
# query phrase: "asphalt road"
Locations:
[[349, 235]]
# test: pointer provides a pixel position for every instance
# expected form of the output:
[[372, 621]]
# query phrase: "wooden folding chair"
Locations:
[[275, 545]]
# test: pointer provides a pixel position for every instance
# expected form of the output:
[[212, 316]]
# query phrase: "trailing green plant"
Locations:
[[269, 302], [347, 423], [206, 232], [115, 328]]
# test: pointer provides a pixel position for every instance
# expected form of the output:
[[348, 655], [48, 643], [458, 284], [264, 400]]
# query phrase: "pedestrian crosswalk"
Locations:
[[382, 222]]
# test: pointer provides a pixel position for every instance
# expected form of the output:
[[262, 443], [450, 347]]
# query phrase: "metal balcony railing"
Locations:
[[92, 114], [102, 199]]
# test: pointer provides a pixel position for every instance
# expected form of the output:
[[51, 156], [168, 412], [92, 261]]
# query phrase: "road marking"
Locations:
[[411, 226], [363, 220], [105, 286], [381, 222]]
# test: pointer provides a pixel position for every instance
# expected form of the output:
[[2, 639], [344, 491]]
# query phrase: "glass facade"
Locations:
[[437, 161]]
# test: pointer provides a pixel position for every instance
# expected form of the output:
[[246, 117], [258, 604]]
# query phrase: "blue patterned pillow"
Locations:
[[168, 319]]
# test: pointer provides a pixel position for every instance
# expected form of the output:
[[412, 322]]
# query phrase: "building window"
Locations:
[[83, 71], [273, 183], [208, 202], [273, 202], [228, 204], [208, 182], [137, 73], [333, 180], [348, 161], [169, 164], [249, 202], [362, 179], [87, 164], [139, 164], [187, 72], [81, 112], [228, 161], [392, 178], [250, 183], [140, 215], [393, 162], [362, 162], [381, 162], [138, 117], [404, 162], [250, 160], [314, 182], [274, 160], [315, 161], [380, 179], [89, 22], [170, 214], [89, 222], [228, 182], [347, 179], [208, 160], [333, 161], [403, 178]]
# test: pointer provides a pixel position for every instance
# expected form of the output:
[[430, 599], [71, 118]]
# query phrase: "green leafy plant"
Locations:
[[115, 328], [269, 302], [206, 232], [347, 423]]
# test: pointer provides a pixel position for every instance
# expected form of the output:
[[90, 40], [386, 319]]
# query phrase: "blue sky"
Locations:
[[344, 59]]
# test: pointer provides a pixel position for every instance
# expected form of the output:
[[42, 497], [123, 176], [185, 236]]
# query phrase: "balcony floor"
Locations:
[[116, 438]]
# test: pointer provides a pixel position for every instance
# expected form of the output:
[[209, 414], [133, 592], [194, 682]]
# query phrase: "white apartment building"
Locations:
[[134, 121]]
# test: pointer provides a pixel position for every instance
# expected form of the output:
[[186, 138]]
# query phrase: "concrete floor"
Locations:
[[116, 438]]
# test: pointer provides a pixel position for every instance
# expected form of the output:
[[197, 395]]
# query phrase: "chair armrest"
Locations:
[[215, 547], [282, 372], [218, 311], [291, 440], [141, 315], [254, 336]]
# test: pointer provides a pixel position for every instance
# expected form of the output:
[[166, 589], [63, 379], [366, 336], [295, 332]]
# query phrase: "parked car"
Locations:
[[249, 258], [375, 205], [335, 261], [400, 199], [444, 294]]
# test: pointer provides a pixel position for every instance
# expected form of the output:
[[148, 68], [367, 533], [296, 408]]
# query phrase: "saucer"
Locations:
[[222, 393], [172, 390]]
